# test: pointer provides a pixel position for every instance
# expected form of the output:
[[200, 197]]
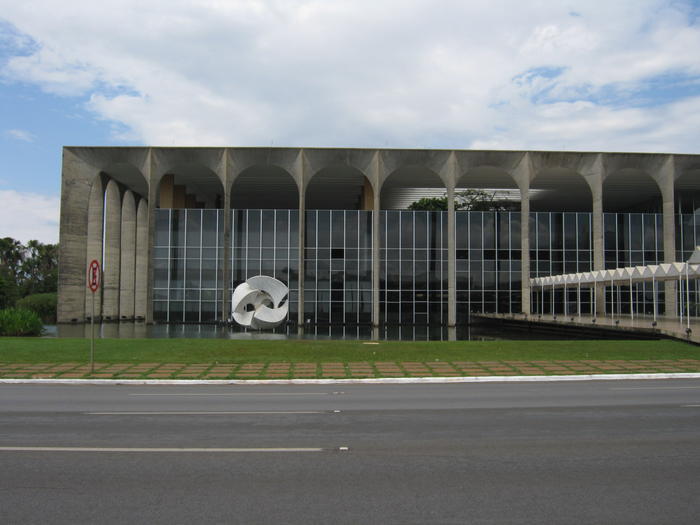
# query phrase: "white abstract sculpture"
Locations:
[[257, 303]]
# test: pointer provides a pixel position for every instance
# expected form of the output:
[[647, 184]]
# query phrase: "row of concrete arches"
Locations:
[[117, 237], [342, 186]]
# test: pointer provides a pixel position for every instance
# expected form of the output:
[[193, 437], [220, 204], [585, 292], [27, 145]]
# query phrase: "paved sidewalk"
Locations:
[[360, 369]]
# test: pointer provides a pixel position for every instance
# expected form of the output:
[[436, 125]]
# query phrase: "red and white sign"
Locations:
[[93, 278]]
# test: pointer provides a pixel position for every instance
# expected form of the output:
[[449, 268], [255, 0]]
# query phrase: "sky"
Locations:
[[590, 75]]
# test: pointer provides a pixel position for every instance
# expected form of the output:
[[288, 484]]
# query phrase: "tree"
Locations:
[[26, 270], [467, 200]]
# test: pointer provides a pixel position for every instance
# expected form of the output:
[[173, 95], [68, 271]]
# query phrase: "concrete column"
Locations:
[[94, 241], [141, 273], [666, 180], [112, 248], [598, 234], [151, 177], [525, 250], [128, 257], [302, 243], [376, 257], [451, 256], [226, 277]]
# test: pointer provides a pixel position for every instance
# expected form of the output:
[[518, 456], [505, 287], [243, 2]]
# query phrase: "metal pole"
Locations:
[[653, 295], [631, 302], [578, 301], [687, 296], [92, 336], [679, 300]]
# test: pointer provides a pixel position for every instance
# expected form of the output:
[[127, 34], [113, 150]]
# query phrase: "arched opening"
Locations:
[[487, 242], [338, 247], [561, 232], [413, 250], [265, 228], [188, 246], [632, 234]]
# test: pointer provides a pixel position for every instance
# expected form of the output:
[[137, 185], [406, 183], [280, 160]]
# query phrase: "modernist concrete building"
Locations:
[[176, 229]]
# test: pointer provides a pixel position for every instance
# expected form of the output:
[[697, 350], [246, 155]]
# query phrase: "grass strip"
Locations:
[[40, 350]]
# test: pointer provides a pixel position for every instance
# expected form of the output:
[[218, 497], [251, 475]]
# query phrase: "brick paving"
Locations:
[[355, 369]]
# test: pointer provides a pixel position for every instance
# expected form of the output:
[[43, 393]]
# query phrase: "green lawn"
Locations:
[[37, 350]]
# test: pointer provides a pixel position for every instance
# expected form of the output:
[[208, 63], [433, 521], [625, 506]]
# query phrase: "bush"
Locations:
[[43, 304], [19, 322]]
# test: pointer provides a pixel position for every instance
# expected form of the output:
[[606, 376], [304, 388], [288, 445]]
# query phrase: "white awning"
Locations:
[[622, 276]]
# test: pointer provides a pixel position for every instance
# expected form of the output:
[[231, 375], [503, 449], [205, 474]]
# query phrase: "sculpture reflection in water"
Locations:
[[260, 303]]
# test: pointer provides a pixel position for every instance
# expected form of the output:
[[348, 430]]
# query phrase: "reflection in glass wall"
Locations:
[[187, 263], [413, 270], [561, 243], [687, 238], [633, 239], [487, 262], [338, 267], [266, 242]]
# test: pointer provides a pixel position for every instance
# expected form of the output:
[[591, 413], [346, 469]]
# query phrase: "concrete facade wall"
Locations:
[[142, 169]]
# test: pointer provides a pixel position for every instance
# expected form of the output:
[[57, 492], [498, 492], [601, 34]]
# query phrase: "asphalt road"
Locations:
[[580, 452]]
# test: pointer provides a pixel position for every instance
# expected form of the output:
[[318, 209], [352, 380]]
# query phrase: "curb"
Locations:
[[376, 381]]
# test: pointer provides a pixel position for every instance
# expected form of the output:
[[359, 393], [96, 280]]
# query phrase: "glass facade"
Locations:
[[338, 267], [266, 242], [687, 238], [487, 262], [187, 265], [413, 267], [413, 279], [560, 243], [633, 239]]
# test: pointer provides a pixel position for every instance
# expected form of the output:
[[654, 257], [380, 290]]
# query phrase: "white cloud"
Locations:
[[26, 216], [366, 73], [20, 134]]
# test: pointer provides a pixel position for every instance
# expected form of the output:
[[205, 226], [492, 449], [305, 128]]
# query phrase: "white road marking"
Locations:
[[142, 449], [690, 406], [657, 388], [198, 413], [241, 394]]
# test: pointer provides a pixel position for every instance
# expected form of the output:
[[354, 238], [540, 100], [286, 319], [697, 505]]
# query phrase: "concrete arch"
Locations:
[[112, 250], [128, 257], [189, 185], [631, 190], [492, 179], [560, 188], [95, 230], [141, 276], [264, 186], [128, 176], [408, 184], [190, 162], [687, 190], [339, 187]]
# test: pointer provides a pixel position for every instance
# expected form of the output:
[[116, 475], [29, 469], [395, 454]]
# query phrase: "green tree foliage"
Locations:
[[43, 304], [18, 322], [26, 270], [467, 200]]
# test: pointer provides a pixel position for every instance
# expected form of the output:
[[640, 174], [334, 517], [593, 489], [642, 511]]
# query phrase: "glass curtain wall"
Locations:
[[187, 264], [266, 242], [413, 267], [687, 238], [633, 239], [488, 262], [560, 242], [338, 267]]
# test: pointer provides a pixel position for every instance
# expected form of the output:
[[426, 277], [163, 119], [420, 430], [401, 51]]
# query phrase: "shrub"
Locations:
[[43, 304], [19, 322]]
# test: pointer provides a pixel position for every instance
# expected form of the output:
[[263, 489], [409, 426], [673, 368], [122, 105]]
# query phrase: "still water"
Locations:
[[472, 332]]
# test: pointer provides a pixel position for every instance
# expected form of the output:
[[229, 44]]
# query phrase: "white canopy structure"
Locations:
[[676, 271]]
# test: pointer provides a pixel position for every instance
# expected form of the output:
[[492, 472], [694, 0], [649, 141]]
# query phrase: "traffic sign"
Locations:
[[93, 279]]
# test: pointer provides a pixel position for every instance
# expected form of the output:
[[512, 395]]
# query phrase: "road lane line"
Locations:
[[204, 413], [657, 388], [142, 449], [690, 406], [242, 394]]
